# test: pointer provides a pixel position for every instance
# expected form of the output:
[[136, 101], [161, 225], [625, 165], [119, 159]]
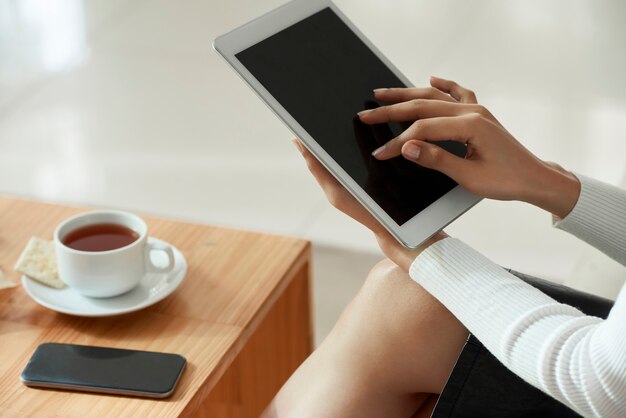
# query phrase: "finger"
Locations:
[[432, 156], [322, 176], [296, 142], [455, 128], [461, 94], [413, 110], [380, 133], [365, 139], [336, 194], [402, 94]]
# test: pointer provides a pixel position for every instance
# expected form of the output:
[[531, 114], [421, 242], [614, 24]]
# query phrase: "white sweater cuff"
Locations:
[[479, 292], [521, 326], [599, 218]]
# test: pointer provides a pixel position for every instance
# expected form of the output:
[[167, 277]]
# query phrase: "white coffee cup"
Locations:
[[103, 274]]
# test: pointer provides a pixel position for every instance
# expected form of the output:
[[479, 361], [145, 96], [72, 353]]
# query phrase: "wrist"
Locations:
[[401, 255], [556, 190]]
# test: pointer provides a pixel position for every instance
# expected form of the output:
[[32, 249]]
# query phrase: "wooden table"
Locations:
[[241, 317]]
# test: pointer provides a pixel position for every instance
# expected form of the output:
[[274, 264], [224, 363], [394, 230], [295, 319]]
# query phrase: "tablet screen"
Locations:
[[323, 74]]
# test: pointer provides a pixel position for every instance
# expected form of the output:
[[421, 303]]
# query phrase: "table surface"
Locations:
[[233, 279]]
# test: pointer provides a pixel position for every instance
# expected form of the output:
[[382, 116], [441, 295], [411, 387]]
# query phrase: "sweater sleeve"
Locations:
[[599, 218], [577, 359]]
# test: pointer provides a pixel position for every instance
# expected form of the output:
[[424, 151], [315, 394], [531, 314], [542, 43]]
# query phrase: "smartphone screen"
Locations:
[[106, 370]]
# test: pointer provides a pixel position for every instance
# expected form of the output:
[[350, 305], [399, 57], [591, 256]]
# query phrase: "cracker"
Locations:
[[39, 263], [4, 282]]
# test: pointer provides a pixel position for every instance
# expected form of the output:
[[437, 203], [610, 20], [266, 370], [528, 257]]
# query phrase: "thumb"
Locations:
[[432, 156]]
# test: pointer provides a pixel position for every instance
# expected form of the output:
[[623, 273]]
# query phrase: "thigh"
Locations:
[[406, 336], [392, 346]]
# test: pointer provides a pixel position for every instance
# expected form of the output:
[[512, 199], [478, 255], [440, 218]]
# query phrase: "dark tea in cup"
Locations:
[[100, 237], [106, 253]]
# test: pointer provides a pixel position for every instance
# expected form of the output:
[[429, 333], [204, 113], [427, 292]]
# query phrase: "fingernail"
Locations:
[[364, 112], [378, 151], [412, 152], [379, 90], [298, 145]]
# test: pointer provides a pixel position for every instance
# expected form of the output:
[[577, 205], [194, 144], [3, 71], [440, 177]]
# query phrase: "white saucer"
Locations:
[[151, 289]]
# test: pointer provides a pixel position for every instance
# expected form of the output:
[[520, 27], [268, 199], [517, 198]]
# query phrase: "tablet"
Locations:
[[316, 71]]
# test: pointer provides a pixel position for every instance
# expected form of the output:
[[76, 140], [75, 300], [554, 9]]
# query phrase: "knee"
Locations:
[[395, 302], [387, 283], [390, 299], [374, 294], [386, 274], [383, 281], [385, 268], [388, 323]]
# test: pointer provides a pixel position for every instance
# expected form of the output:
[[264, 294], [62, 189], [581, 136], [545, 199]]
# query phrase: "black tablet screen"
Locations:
[[323, 74]]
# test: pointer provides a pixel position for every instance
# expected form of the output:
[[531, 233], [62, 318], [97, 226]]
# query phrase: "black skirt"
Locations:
[[481, 386]]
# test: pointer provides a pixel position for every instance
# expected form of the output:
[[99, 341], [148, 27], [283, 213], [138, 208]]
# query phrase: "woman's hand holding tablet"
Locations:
[[496, 165], [316, 71], [341, 199]]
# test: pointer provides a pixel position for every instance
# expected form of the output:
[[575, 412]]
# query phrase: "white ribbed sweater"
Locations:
[[580, 360]]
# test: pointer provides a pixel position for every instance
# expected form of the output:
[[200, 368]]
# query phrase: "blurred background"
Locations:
[[125, 105]]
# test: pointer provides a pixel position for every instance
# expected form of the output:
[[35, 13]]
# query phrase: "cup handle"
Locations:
[[158, 246]]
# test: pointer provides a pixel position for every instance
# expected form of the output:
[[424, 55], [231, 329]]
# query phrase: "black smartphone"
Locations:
[[104, 370]]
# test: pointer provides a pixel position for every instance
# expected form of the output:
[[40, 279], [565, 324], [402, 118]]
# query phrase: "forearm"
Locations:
[[599, 218], [553, 346], [399, 254], [552, 189]]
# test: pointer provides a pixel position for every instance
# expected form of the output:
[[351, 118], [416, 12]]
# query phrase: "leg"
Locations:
[[393, 346]]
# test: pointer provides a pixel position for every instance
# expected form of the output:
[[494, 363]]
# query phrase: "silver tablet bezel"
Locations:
[[416, 230]]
